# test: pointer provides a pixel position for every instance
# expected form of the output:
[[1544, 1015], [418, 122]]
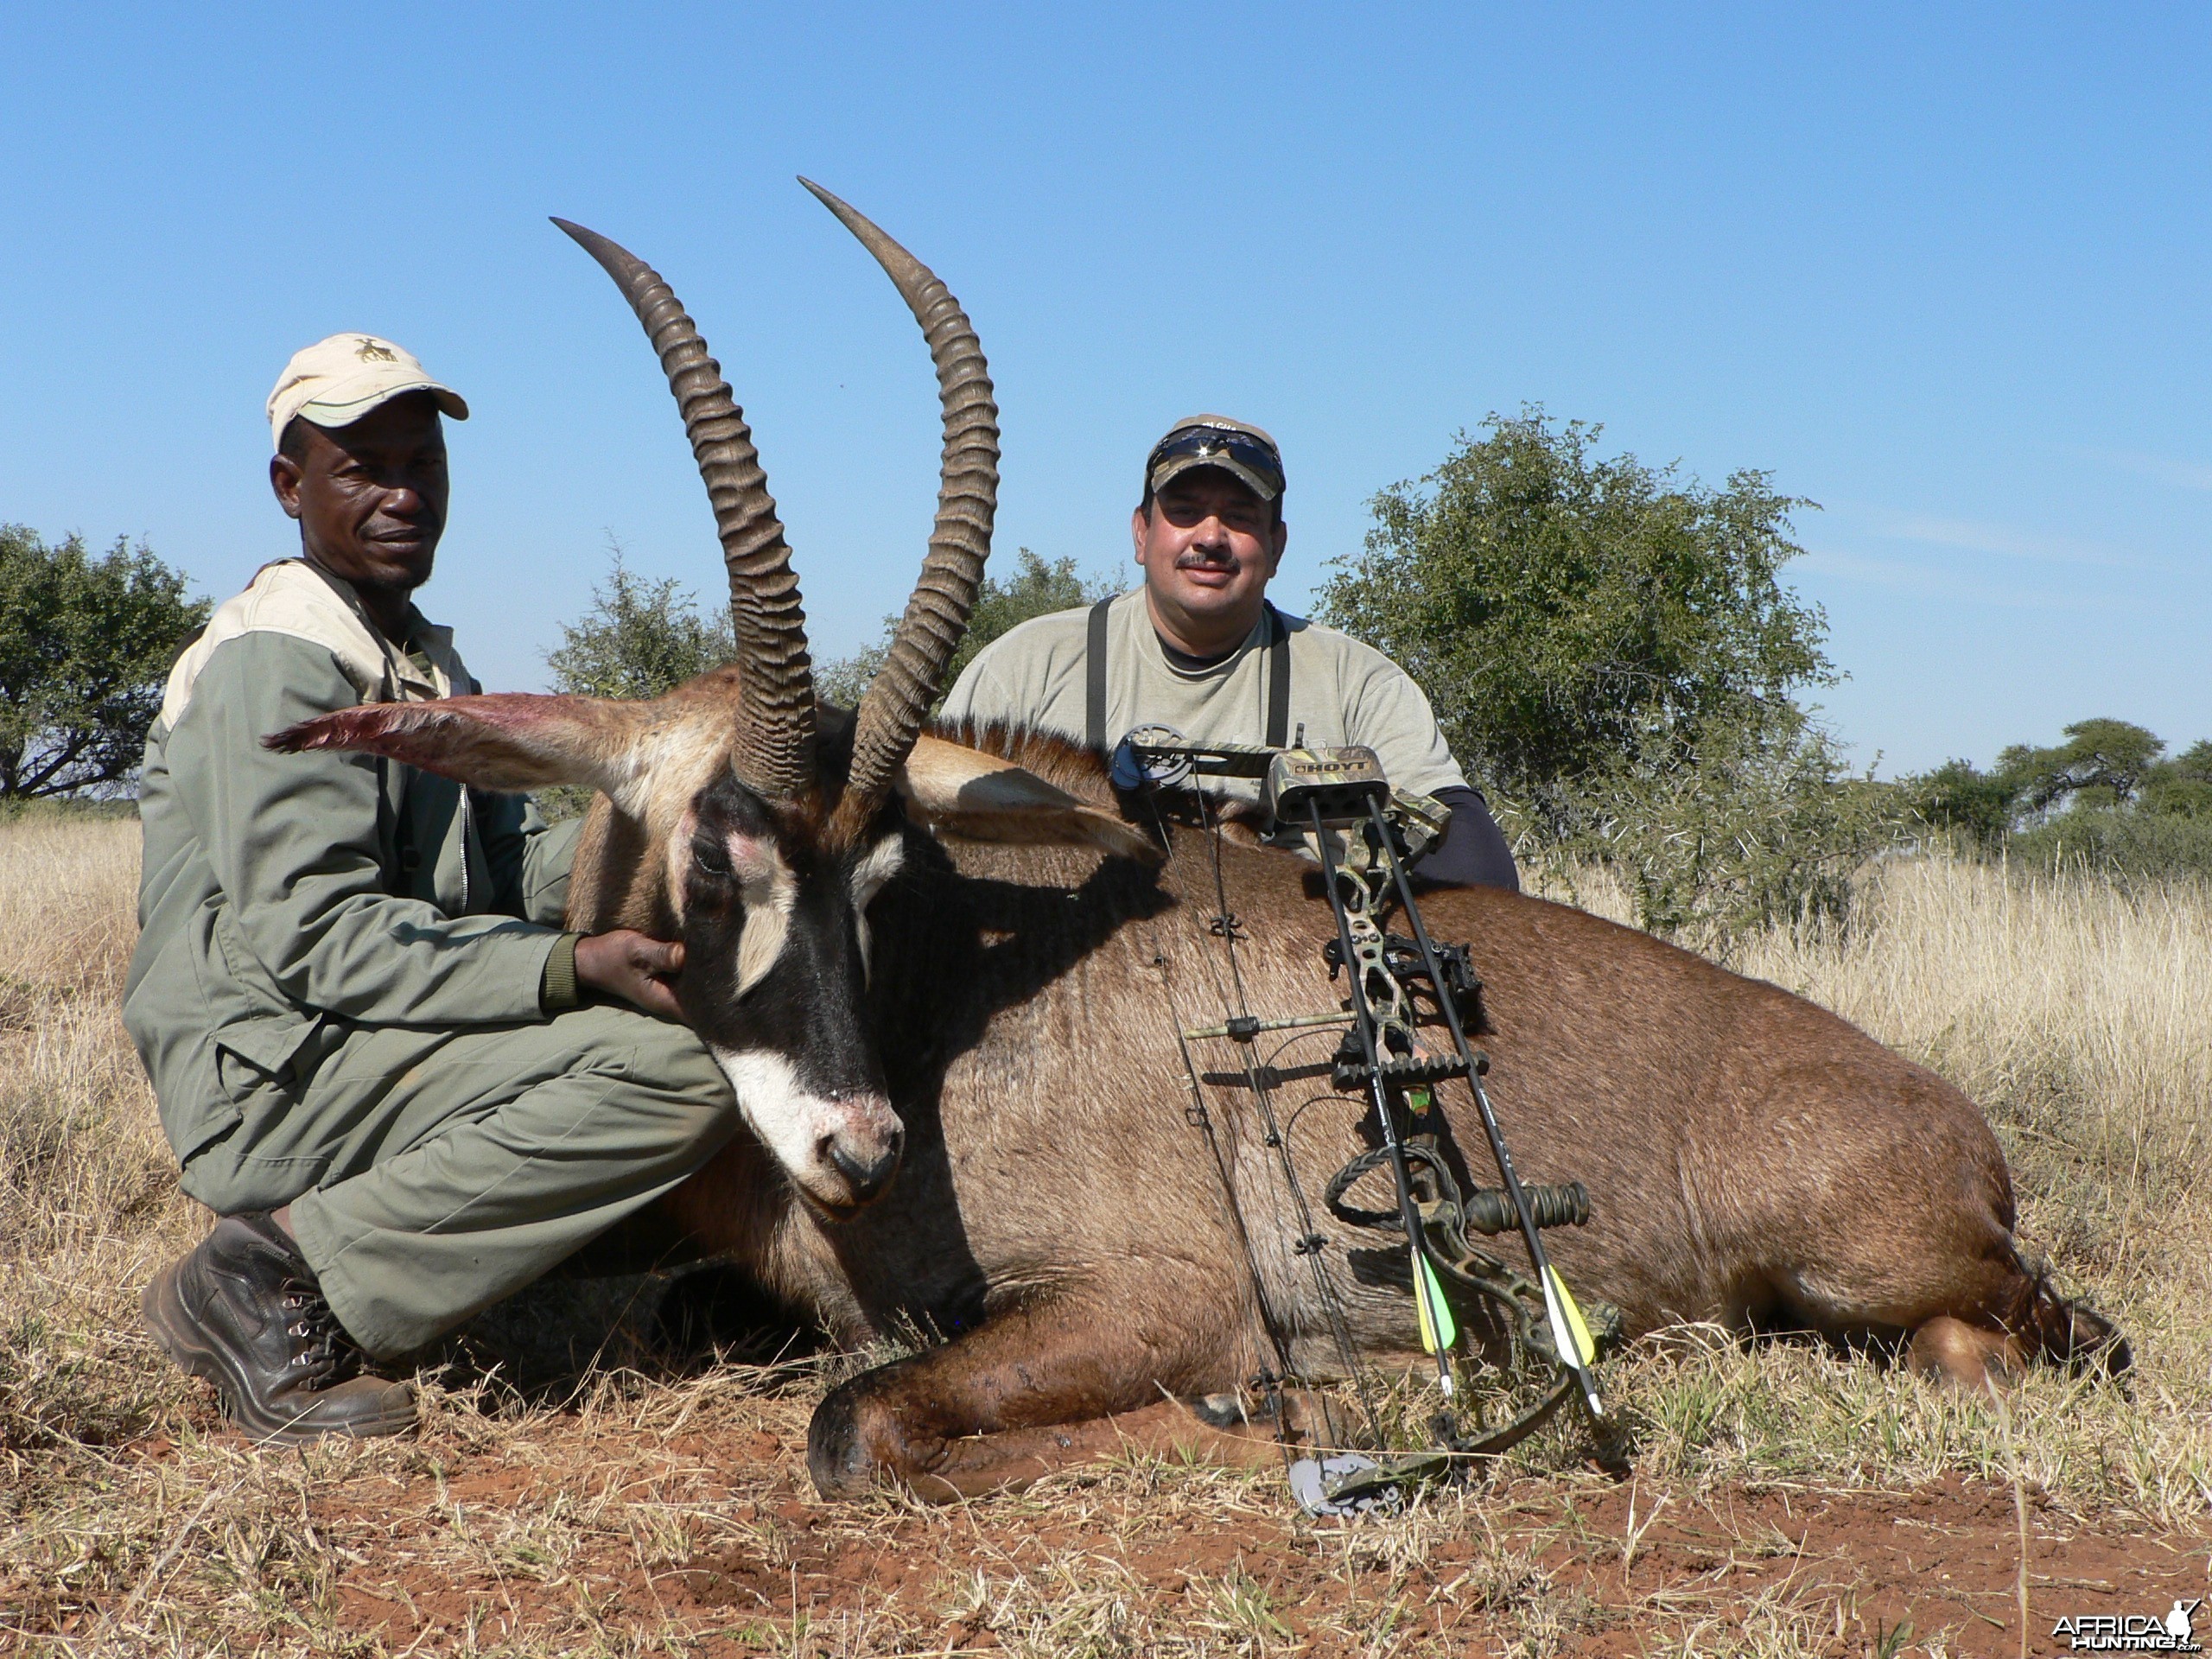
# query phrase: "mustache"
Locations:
[[1195, 558]]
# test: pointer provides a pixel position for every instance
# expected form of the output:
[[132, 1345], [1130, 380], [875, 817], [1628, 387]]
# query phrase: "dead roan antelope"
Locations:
[[953, 957]]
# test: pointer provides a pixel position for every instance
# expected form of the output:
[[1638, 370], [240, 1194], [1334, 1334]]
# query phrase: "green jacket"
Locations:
[[284, 895]]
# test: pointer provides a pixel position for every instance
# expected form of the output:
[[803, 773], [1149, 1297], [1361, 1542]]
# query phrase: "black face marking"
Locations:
[[805, 1001]]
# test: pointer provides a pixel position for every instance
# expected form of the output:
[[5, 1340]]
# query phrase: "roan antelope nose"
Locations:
[[867, 1160]]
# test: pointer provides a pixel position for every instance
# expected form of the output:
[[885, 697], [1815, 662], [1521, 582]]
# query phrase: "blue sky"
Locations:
[[1944, 272]]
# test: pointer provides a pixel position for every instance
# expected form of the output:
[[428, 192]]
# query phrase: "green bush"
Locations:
[[1036, 587], [1612, 657], [2118, 841], [87, 642], [639, 639], [1971, 808], [1563, 610], [2103, 799], [1757, 827]]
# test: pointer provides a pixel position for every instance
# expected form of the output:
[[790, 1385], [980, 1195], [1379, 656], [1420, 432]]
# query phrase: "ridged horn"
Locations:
[[899, 697], [774, 752]]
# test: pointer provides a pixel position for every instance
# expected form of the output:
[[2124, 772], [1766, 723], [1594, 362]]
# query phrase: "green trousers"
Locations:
[[431, 1173]]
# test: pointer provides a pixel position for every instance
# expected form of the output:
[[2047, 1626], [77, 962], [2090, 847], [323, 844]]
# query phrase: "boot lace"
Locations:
[[323, 1356]]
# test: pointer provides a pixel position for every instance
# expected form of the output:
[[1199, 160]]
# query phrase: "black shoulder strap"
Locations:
[[1278, 681], [1094, 680]]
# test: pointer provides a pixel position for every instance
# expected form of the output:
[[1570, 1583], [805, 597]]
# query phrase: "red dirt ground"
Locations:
[[1847, 1570]]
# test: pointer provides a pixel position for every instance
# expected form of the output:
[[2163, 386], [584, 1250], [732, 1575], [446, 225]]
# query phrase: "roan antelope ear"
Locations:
[[961, 791], [505, 741]]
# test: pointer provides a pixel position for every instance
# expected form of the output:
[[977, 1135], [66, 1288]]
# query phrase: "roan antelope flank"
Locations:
[[956, 957]]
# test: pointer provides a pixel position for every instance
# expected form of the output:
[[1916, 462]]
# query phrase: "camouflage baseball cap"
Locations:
[[1244, 452]]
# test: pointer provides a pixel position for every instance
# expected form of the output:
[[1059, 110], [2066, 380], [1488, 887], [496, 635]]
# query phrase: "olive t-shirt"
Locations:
[[1341, 690]]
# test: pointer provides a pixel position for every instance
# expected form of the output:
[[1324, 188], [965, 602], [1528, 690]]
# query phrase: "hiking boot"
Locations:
[[244, 1311]]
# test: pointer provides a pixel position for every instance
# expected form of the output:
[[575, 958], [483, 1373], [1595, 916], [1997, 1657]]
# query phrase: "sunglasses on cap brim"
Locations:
[[1215, 443]]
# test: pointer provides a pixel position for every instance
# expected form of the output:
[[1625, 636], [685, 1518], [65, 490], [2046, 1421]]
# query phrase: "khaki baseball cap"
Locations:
[[1242, 451], [336, 381]]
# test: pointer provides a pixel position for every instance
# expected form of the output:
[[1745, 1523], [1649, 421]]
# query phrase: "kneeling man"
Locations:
[[402, 1089]]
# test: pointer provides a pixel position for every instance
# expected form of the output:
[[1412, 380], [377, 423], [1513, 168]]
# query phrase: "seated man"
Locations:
[[1199, 648], [370, 1039]]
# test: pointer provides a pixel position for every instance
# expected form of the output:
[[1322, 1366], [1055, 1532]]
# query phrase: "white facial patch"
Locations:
[[676, 855], [770, 890], [792, 1122], [870, 875], [768, 885]]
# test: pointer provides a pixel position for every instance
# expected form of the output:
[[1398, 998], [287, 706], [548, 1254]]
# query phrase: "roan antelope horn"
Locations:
[[774, 752], [899, 697]]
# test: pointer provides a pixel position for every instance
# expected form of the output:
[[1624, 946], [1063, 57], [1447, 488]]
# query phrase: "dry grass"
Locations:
[[1783, 1502], [2076, 1012]]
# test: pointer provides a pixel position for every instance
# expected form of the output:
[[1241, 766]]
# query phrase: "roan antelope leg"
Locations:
[[1967, 1308], [2046, 1327], [1036, 1389]]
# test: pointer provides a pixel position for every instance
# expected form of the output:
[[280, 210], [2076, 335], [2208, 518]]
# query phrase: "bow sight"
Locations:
[[1363, 833]]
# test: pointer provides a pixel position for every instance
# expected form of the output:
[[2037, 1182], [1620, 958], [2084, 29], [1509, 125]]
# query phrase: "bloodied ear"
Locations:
[[506, 743], [961, 791]]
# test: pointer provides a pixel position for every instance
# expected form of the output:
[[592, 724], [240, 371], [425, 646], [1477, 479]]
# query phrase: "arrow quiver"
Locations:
[[1405, 993]]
